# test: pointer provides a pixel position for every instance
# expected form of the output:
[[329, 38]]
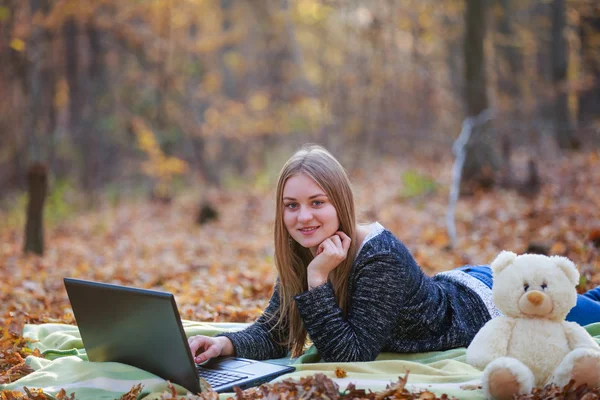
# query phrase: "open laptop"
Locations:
[[142, 328]]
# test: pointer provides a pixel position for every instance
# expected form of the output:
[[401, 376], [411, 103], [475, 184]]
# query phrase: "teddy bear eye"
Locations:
[[526, 287], [544, 286]]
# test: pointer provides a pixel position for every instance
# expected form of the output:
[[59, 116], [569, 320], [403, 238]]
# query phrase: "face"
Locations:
[[308, 215]]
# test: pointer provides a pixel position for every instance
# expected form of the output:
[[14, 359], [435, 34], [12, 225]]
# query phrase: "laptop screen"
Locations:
[[137, 327]]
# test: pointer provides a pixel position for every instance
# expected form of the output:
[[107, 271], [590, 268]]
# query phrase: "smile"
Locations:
[[308, 231]]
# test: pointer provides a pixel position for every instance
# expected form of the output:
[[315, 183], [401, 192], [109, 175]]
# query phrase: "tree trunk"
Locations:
[[37, 178], [229, 81], [196, 142], [36, 53], [72, 71], [78, 104], [482, 161], [12, 76], [283, 59], [454, 50], [48, 94], [230, 153], [100, 105], [476, 82], [543, 119], [508, 78], [563, 128], [509, 69], [589, 98], [162, 68]]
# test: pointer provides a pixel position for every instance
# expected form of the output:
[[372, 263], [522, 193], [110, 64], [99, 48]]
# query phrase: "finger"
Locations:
[[329, 247], [342, 235], [337, 241], [345, 240], [197, 343], [196, 340], [192, 342], [324, 244], [320, 249], [212, 351]]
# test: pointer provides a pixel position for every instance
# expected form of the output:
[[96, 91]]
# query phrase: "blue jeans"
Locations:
[[586, 311]]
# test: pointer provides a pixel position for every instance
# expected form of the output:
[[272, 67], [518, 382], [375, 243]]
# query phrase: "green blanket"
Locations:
[[66, 367]]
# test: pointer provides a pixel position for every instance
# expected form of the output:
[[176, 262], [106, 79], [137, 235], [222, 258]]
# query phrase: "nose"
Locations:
[[305, 215], [535, 298]]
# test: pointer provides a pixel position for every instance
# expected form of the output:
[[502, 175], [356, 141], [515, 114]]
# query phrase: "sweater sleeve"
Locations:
[[381, 287], [261, 340]]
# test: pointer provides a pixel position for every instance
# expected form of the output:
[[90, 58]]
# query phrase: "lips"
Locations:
[[308, 230]]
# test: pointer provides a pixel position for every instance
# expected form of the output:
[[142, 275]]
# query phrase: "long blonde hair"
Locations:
[[291, 259]]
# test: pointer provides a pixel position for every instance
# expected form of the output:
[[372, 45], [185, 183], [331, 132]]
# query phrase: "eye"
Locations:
[[544, 286], [526, 287], [291, 206], [317, 203]]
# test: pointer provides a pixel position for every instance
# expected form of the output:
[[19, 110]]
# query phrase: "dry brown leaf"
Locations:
[[171, 394], [11, 395], [133, 393], [62, 395], [205, 386], [558, 248], [594, 237], [15, 372], [35, 394]]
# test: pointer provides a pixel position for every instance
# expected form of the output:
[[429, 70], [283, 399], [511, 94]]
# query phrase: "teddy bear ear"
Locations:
[[503, 260], [568, 267]]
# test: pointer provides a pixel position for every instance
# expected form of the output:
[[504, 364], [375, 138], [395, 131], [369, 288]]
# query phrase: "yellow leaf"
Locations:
[[340, 372], [174, 165], [259, 102], [17, 44], [234, 61]]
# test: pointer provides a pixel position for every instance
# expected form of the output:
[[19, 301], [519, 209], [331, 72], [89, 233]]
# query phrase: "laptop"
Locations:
[[142, 328]]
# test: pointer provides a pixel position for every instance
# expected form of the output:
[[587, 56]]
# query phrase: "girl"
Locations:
[[354, 289]]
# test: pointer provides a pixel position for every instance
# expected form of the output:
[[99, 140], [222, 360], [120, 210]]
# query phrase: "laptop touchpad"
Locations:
[[234, 364]]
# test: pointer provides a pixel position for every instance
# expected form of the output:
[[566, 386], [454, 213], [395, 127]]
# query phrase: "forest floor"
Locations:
[[223, 270]]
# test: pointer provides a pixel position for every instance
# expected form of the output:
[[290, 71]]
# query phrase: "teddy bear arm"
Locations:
[[490, 342], [578, 337]]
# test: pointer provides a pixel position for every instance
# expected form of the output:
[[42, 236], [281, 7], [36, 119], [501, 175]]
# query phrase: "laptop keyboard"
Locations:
[[219, 378]]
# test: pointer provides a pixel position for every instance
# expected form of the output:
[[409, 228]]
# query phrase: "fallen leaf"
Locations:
[[133, 393], [340, 373]]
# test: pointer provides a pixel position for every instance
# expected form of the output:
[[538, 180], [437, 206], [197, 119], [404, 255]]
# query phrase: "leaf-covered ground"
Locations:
[[222, 271]]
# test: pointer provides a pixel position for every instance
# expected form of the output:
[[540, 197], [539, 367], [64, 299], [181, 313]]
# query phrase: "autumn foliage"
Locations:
[[222, 83], [197, 103], [223, 270]]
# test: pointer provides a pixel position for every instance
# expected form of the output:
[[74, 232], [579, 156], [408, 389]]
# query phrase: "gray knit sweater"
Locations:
[[393, 307]]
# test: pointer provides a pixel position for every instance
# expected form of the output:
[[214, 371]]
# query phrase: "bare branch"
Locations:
[[459, 149]]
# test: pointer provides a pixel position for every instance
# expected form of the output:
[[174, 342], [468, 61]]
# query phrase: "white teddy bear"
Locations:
[[532, 344]]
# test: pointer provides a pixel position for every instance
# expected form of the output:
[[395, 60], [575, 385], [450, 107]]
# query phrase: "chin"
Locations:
[[309, 243]]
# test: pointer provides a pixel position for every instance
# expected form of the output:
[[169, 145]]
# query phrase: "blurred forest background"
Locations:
[[106, 94], [140, 140]]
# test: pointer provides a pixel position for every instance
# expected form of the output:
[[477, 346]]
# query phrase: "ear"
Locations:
[[503, 260], [568, 268]]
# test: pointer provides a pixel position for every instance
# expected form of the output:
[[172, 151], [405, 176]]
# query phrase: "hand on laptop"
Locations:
[[204, 347]]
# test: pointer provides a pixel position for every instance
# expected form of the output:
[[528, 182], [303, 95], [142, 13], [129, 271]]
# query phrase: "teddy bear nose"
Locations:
[[536, 298]]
